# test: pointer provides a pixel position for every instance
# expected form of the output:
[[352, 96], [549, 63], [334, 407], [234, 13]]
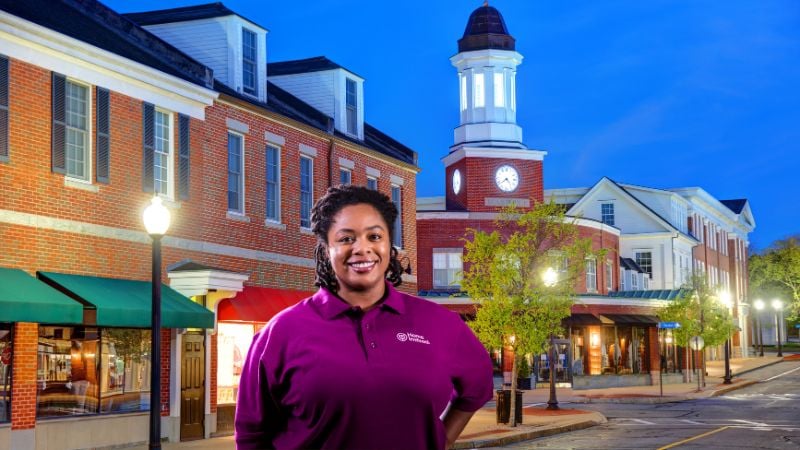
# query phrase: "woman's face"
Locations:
[[359, 249]]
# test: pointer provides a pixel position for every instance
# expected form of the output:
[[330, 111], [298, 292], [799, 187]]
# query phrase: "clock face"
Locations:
[[506, 178], [456, 181]]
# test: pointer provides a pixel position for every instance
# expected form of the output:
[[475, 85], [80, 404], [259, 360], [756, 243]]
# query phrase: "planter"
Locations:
[[504, 406], [524, 383]]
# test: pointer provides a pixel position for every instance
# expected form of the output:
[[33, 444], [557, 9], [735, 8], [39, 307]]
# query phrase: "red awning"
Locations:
[[461, 308], [258, 304]]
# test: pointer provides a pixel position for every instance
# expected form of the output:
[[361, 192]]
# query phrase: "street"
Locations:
[[765, 415]]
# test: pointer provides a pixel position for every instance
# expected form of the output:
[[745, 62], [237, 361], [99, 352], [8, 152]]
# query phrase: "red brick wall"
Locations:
[[449, 233], [477, 183], [23, 405], [212, 340]]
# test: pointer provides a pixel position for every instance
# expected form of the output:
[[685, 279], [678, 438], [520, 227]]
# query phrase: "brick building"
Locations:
[[100, 111], [490, 167]]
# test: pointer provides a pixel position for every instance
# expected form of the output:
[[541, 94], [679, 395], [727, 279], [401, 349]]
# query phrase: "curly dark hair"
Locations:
[[336, 198]]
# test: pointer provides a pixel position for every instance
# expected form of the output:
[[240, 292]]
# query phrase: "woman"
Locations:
[[360, 365]]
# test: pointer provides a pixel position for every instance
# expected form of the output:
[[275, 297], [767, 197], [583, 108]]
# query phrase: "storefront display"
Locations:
[[233, 341], [82, 370], [6, 356]]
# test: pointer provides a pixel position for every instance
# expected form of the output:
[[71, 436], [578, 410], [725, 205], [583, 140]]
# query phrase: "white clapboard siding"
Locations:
[[204, 40], [315, 88]]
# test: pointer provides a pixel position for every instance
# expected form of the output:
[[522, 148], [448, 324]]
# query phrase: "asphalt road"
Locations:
[[762, 416]]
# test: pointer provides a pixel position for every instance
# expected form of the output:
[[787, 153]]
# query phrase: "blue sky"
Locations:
[[661, 93]]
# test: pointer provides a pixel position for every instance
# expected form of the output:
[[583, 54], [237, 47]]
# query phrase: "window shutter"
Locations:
[[183, 156], [59, 132], [103, 112], [3, 109], [148, 127]]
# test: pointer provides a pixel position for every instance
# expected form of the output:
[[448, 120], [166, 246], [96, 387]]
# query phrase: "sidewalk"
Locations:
[[483, 431]]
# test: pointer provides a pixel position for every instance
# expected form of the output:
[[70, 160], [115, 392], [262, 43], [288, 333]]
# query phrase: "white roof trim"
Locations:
[[43, 47], [496, 153]]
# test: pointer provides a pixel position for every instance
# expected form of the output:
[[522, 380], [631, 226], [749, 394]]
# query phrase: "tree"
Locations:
[[700, 312], [776, 273], [504, 274]]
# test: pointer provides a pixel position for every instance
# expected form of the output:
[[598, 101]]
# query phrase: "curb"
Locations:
[[733, 387], [634, 400], [756, 368], [526, 435]]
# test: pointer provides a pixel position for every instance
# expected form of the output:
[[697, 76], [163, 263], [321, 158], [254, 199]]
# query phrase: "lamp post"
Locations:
[[725, 298], [759, 304], [156, 222], [550, 278], [777, 305]]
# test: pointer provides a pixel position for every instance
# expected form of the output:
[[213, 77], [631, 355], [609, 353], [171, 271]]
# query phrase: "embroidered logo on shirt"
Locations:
[[418, 338]]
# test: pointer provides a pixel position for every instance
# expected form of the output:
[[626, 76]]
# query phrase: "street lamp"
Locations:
[[156, 222], [550, 278], [777, 305], [725, 299], [759, 305]]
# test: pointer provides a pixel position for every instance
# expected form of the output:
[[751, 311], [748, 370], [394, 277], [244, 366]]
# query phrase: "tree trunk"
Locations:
[[512, 420]]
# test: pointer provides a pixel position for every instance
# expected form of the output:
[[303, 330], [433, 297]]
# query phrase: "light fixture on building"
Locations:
[[595, 340], [550, 277]]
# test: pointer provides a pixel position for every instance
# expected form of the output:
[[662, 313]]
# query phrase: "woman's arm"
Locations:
[[454, 422]]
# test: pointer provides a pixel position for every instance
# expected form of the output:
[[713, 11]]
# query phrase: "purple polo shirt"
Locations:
[[324, 375]]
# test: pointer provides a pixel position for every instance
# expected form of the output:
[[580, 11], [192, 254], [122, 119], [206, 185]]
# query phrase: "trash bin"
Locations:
[[504, 406]]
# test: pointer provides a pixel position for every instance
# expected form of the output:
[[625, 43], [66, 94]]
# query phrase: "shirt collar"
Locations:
[[331, 306]]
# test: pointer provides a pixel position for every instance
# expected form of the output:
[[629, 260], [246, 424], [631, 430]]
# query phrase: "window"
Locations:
[[352, 106], [345, 176], [513, 93], [77, 130], [591, 275], [397, 237], [635, 280], [233, 342], [622, 284], [607, 213], [84, 370], [609, 276], [645, 261], [447, 267], [372, 183], [235, 173], [306, 186], [462, 79], [273, 161], [161, 148], [249, 62], [499, 90], [6, 357], [478, 90], [3, 113]]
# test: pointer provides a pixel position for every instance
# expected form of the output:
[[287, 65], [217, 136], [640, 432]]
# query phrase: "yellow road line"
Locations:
[[675, 444]]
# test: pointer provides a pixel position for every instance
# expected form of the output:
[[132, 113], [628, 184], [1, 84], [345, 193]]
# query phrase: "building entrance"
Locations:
[[192, 386]]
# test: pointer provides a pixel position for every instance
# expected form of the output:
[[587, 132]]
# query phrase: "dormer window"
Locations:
[[352, 106], [249, 62]]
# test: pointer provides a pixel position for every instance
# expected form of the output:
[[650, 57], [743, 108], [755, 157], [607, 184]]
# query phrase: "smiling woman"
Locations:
[[359, 364]]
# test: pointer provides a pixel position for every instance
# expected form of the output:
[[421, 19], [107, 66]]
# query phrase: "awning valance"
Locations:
[[258, 304], [632, 319], [127, 303], [23, 298], [581, 320]]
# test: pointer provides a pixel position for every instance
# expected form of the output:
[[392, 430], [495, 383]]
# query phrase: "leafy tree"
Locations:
[[505, 273], [776, 273], [700, 312]]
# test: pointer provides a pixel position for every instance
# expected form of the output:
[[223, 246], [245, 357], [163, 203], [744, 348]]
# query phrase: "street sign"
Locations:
[[696, 343], [668, 325], [797, 325]]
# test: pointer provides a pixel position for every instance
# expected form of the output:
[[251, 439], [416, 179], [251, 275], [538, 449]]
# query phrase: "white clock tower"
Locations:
[[488, 165]]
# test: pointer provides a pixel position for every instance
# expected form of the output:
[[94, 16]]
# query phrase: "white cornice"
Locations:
[[200, 282], [618, 301], [495, 153], [43, 47], [465, 215]]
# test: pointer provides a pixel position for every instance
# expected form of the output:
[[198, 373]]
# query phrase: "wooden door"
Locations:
[[193, 386]]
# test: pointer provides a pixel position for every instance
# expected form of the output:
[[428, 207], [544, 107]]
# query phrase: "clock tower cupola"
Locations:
[[488, 165]]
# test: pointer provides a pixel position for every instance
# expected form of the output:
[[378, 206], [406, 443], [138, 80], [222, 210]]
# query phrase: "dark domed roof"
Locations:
[[485, 29]]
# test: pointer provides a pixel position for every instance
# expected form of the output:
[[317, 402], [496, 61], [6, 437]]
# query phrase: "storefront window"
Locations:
[[89, 370], [669, 352], [5, 371], [66, 375], [125, 370], [233, 341]]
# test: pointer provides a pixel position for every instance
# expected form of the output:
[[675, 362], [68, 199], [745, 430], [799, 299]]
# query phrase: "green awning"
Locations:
[[127, 303], [23, 298]]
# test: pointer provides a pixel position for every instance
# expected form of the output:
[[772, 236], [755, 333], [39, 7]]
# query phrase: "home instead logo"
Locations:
[[411, 337]]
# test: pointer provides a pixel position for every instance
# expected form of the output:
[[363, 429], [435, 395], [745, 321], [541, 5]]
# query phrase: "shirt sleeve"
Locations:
[[258, 416], [472, 371]]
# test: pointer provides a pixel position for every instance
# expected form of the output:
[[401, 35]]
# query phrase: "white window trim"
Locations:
[[241, 212], [447, 251], [399, 212], [311, 188], [278, 186], [90, 116], [609, 275], [371, 178], [170, 157], [588, 265], [256, 92], [355, 107], [349, 172]]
